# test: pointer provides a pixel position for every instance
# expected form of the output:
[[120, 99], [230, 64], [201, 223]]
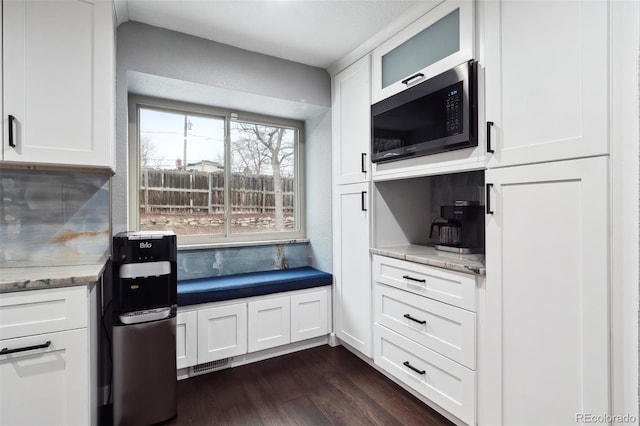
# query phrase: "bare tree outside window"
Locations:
[[263, 150]]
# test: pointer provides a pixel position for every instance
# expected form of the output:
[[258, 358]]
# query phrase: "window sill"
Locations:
[[231, 244]]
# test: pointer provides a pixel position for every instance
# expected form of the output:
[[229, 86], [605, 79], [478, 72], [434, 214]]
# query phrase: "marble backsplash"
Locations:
[[53, 218], [205, 263]]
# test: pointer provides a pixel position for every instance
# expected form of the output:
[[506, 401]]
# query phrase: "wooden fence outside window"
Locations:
[[193, 192]]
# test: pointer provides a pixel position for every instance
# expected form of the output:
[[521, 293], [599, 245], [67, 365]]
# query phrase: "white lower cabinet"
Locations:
[[214, 331], [425, 332], [445, 382], [186, 339], [449, 330], [47, 385], [309, 315], [222, 332], [548, 293], [45, 372], [352, 266], [269, 323]]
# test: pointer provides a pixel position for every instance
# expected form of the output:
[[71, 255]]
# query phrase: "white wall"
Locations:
[[205, 69]]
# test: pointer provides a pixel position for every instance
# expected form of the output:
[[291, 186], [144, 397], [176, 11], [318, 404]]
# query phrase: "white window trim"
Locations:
[[212, 241]]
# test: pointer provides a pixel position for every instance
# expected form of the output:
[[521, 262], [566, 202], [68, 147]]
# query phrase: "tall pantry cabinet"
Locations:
[[351, 105], [547, 251]]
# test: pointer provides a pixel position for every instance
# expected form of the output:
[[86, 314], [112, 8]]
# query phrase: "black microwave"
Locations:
[[437, 115]]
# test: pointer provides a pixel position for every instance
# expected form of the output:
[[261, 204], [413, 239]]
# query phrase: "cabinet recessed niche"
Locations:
[[404, 209]]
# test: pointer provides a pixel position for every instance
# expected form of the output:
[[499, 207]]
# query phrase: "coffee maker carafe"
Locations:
[[461, 228]]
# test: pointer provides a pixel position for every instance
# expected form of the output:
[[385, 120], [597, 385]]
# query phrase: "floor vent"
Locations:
[[208, 367]]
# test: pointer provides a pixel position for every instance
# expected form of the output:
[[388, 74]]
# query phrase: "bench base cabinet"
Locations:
[[445, 382], [220, 330], [186, 339], [269, 323]]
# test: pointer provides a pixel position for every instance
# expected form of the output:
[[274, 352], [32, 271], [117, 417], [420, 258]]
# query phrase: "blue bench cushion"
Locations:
[[203, 290]]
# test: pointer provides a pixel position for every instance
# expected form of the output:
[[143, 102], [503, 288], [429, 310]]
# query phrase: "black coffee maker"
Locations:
[[460, 229]]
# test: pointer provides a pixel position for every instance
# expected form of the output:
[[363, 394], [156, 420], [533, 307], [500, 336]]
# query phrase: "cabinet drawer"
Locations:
[[445, 382], [454, 288], [32, 312], [446, 329], [47, 384]]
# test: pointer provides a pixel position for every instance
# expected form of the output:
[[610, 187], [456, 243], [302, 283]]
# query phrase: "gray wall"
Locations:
[[318, 189], [198, 63]]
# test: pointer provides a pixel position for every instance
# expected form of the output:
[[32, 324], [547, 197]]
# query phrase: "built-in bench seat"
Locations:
[[214, 289]]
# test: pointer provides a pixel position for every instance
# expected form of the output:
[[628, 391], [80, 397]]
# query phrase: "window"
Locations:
[[212, 175]]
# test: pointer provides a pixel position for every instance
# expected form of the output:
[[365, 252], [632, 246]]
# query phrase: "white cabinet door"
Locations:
[[58, 81], [269, 323], [352, 266], [547, 293], [309, 315], [186, 339], [46, 386], [546, 80], [222, 332], [434, 43], [351, 116]]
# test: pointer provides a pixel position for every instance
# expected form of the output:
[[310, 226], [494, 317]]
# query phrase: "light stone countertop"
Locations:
[[428, 255], [25, 276]]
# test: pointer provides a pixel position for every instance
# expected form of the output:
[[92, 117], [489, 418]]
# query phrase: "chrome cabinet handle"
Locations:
[[408, 365], [6, 351], [407, 316]]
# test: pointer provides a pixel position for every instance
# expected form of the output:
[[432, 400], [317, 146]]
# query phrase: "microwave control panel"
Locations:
[[453, 109]]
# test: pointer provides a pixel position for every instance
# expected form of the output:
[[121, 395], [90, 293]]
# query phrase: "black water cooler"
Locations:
[[144, 327]]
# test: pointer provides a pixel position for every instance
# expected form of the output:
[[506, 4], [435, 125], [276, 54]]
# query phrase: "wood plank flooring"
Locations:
[[319, 386]]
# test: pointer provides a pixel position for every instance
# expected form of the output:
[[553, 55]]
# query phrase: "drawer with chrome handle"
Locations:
[[452, 287]]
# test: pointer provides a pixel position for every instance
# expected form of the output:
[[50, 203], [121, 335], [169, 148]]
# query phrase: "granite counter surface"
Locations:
[[427, 255], [26, 276]]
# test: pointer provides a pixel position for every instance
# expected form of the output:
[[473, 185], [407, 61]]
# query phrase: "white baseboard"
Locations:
[[185, 373]]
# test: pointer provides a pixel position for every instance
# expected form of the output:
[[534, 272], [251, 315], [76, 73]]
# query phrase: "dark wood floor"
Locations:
[[319, 386]]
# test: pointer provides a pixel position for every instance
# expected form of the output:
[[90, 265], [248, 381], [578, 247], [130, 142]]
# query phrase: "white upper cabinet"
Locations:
[[58, 80], [351, 123], [546, 66], [438, 41]]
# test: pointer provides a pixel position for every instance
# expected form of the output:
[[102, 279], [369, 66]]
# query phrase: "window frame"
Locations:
[[213, 240]]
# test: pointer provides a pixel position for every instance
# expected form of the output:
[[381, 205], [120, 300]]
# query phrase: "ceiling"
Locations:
[[312, 32]]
